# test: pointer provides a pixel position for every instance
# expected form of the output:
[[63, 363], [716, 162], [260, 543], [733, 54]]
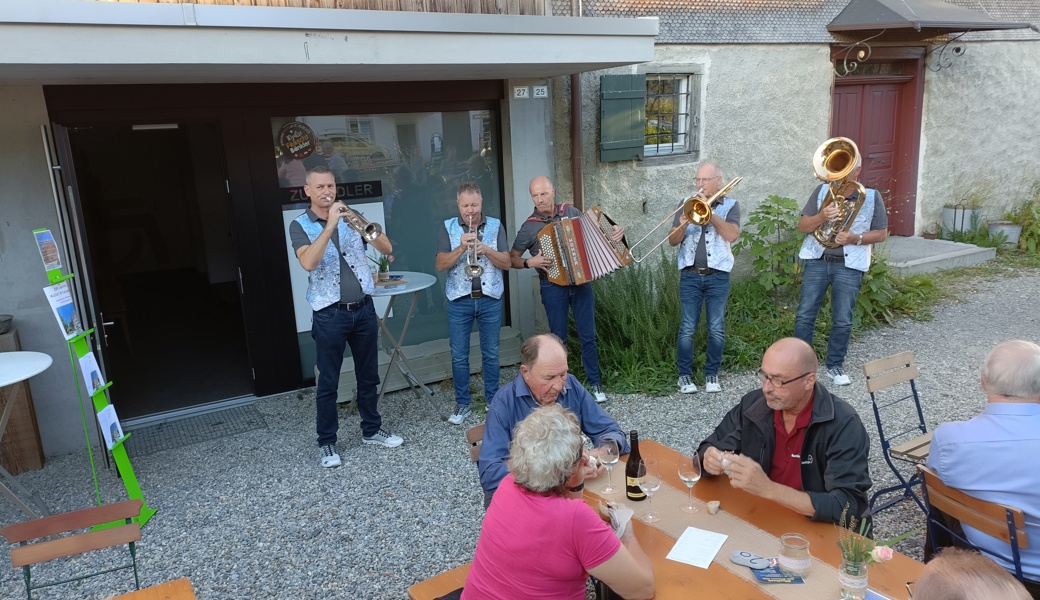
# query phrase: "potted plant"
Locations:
[[384, 266], [964, 213], [858, 552], [1010, 227], [931, 231]]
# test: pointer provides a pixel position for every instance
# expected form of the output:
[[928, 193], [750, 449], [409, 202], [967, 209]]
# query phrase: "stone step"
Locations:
[[913, 255]]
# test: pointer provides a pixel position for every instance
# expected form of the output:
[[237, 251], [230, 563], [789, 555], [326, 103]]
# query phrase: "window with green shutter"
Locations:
[[622, 120]]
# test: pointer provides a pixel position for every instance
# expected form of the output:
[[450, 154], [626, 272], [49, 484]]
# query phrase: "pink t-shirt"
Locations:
[[534, 546]]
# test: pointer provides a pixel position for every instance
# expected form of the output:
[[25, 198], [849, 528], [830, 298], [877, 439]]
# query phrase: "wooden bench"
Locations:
[[437, 586], [34, 547], [178, 589]]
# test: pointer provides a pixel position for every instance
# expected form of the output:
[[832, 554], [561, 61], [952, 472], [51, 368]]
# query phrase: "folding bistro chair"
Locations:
[[1005, 523], [888, 395], [475, 437]]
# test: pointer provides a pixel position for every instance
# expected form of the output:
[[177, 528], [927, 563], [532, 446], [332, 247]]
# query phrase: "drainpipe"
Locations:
[[576, 143]]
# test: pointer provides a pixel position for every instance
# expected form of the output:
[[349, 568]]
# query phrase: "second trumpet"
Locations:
[[473, 267]]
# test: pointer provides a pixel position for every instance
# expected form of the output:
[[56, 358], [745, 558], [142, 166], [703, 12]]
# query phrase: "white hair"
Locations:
[[545, 449]]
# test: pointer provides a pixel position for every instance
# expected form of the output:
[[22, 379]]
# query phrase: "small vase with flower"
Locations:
[[858, 552]]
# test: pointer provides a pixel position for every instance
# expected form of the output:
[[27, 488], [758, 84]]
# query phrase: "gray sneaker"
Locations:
[[383, 438], [327, 457], [838, 376], [686, 385], [711, 384], [460, 414], [598, 394]]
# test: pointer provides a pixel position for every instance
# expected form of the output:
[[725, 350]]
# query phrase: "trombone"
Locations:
[[473, 267], [697, 209]]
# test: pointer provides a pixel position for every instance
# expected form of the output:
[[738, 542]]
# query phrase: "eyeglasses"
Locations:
[[706, 179], [776, 381]]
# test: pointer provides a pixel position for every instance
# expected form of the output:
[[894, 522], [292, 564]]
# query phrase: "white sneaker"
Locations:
[[383, 438], [838, 376], [711, 384], [686, 385], [599, 395], [460, 414], [327, 457]]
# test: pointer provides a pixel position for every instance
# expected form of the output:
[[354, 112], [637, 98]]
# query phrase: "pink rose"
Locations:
[[881, 554], [389, 258]]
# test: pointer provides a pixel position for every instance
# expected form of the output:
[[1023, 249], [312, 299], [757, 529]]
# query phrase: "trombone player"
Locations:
[[842, 266], [339, 288], [472, 248], [705, 261]]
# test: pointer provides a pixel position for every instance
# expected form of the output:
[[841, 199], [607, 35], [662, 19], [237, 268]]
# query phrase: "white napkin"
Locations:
[[619, 514]]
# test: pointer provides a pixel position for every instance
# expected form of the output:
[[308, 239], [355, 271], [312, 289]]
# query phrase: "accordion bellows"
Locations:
[[581, 248]]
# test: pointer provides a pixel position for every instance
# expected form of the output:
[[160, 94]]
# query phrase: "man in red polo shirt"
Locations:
[[793, 442]]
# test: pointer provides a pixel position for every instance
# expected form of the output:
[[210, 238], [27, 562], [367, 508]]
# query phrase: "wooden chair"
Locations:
[[475, 437], [1005, 523], [892, 387], [33, 549], [178, 589]]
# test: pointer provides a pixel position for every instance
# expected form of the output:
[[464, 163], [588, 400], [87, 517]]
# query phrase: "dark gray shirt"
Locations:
[[527, 236], [879, 220], [700, 260], [444, 241], [349, 285]]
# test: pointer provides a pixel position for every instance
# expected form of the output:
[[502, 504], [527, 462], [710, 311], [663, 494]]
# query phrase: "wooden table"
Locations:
[[677, 580]]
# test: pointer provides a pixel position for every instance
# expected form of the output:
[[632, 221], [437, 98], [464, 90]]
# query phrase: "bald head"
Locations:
[[1012, 372], [793, 353]]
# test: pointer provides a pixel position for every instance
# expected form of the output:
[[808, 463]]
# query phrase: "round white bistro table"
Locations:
[[411, 283], [16, 367]]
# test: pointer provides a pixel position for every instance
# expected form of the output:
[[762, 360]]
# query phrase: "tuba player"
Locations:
[[841, 268]]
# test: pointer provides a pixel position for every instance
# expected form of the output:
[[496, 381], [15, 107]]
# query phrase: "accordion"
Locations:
[[581, 248]]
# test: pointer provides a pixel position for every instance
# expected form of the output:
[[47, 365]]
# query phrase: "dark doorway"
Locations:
[[166, 276]]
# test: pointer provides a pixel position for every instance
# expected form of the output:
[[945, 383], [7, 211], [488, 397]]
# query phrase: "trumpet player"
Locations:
[[705, 261], [841, 268], [472, 248], [338, 290]]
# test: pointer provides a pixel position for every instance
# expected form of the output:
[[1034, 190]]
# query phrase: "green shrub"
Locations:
[[772, 240]]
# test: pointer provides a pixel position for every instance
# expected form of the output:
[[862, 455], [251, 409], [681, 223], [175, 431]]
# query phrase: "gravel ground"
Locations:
[[252, 516]]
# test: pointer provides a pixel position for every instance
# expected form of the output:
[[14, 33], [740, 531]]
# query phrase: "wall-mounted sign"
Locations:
[[540, 91], [345, 192], [521, 92]]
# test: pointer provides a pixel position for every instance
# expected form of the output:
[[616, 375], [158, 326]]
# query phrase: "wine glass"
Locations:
[[690, 473], [649, 482], [609, 457]]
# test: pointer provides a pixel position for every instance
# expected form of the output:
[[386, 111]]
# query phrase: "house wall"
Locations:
[[26, 203], [764, 110], [980, 121]]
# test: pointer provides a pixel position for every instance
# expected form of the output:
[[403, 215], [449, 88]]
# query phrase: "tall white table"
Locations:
[[16, 367], [411, 283]]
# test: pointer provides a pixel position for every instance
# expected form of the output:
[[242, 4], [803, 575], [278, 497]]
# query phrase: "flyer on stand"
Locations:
[[92, 379], [110, 426], [48, 249], [60, 298]]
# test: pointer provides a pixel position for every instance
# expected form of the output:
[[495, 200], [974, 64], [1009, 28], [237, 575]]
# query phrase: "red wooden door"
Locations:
[[868, 113]]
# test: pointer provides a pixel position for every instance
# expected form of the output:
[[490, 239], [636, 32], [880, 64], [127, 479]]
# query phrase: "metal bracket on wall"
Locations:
[[850, 61], [948, 51]]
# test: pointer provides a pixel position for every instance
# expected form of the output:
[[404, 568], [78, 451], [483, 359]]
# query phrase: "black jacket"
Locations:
[[835, 469]]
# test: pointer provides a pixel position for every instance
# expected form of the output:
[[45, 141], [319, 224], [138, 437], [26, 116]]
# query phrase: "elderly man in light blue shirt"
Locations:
[[543, 380], [993, 457]]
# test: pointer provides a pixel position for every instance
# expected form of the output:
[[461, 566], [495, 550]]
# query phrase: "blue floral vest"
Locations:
[[856, 257], [323, 282], [719, 251], [491, 283]]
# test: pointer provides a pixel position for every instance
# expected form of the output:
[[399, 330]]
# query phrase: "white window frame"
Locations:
[[681, 117]]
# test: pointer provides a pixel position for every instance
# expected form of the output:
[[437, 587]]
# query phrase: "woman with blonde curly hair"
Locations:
[[539, 538]]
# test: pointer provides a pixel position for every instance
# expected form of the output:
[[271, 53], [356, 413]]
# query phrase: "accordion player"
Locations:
[[581, 248]]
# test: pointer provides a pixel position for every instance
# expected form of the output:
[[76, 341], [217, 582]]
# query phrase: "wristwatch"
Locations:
[[859, 240], [525, 263]]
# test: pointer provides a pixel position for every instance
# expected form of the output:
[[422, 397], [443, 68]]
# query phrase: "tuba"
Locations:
[[833, 162]]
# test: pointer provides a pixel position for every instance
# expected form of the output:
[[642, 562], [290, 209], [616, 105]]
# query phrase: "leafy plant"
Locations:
[[772, 239], [1029, 217], [971, 193], [856, 545]]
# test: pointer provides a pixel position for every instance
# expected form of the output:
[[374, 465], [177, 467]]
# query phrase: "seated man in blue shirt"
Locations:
[[543, 380], [990, 456]]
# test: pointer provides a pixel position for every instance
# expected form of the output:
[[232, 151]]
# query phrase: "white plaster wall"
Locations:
[[981, 121], [764, 111], [26, 203]]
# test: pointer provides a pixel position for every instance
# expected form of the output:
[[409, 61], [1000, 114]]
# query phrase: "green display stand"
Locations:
[[78, 347]]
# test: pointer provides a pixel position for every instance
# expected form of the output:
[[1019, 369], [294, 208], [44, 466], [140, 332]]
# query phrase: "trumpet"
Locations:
[[365, 228], [697, 209], [473, 267]]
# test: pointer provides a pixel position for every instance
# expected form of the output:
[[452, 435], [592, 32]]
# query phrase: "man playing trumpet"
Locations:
[[338, 290], [705, 260], [841, 268], [472, 248]]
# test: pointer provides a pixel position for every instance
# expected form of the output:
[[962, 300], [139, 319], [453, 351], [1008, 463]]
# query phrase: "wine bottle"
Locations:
[[632, 489]]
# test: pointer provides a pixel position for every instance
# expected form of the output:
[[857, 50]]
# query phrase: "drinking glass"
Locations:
[[649, 482], [794, 554], [609, 457], [690, 473]]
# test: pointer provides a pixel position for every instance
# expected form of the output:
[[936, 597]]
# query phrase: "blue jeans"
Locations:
[[556, 299], [332, 329], [844, 283], [487, 312], [712, 291]]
